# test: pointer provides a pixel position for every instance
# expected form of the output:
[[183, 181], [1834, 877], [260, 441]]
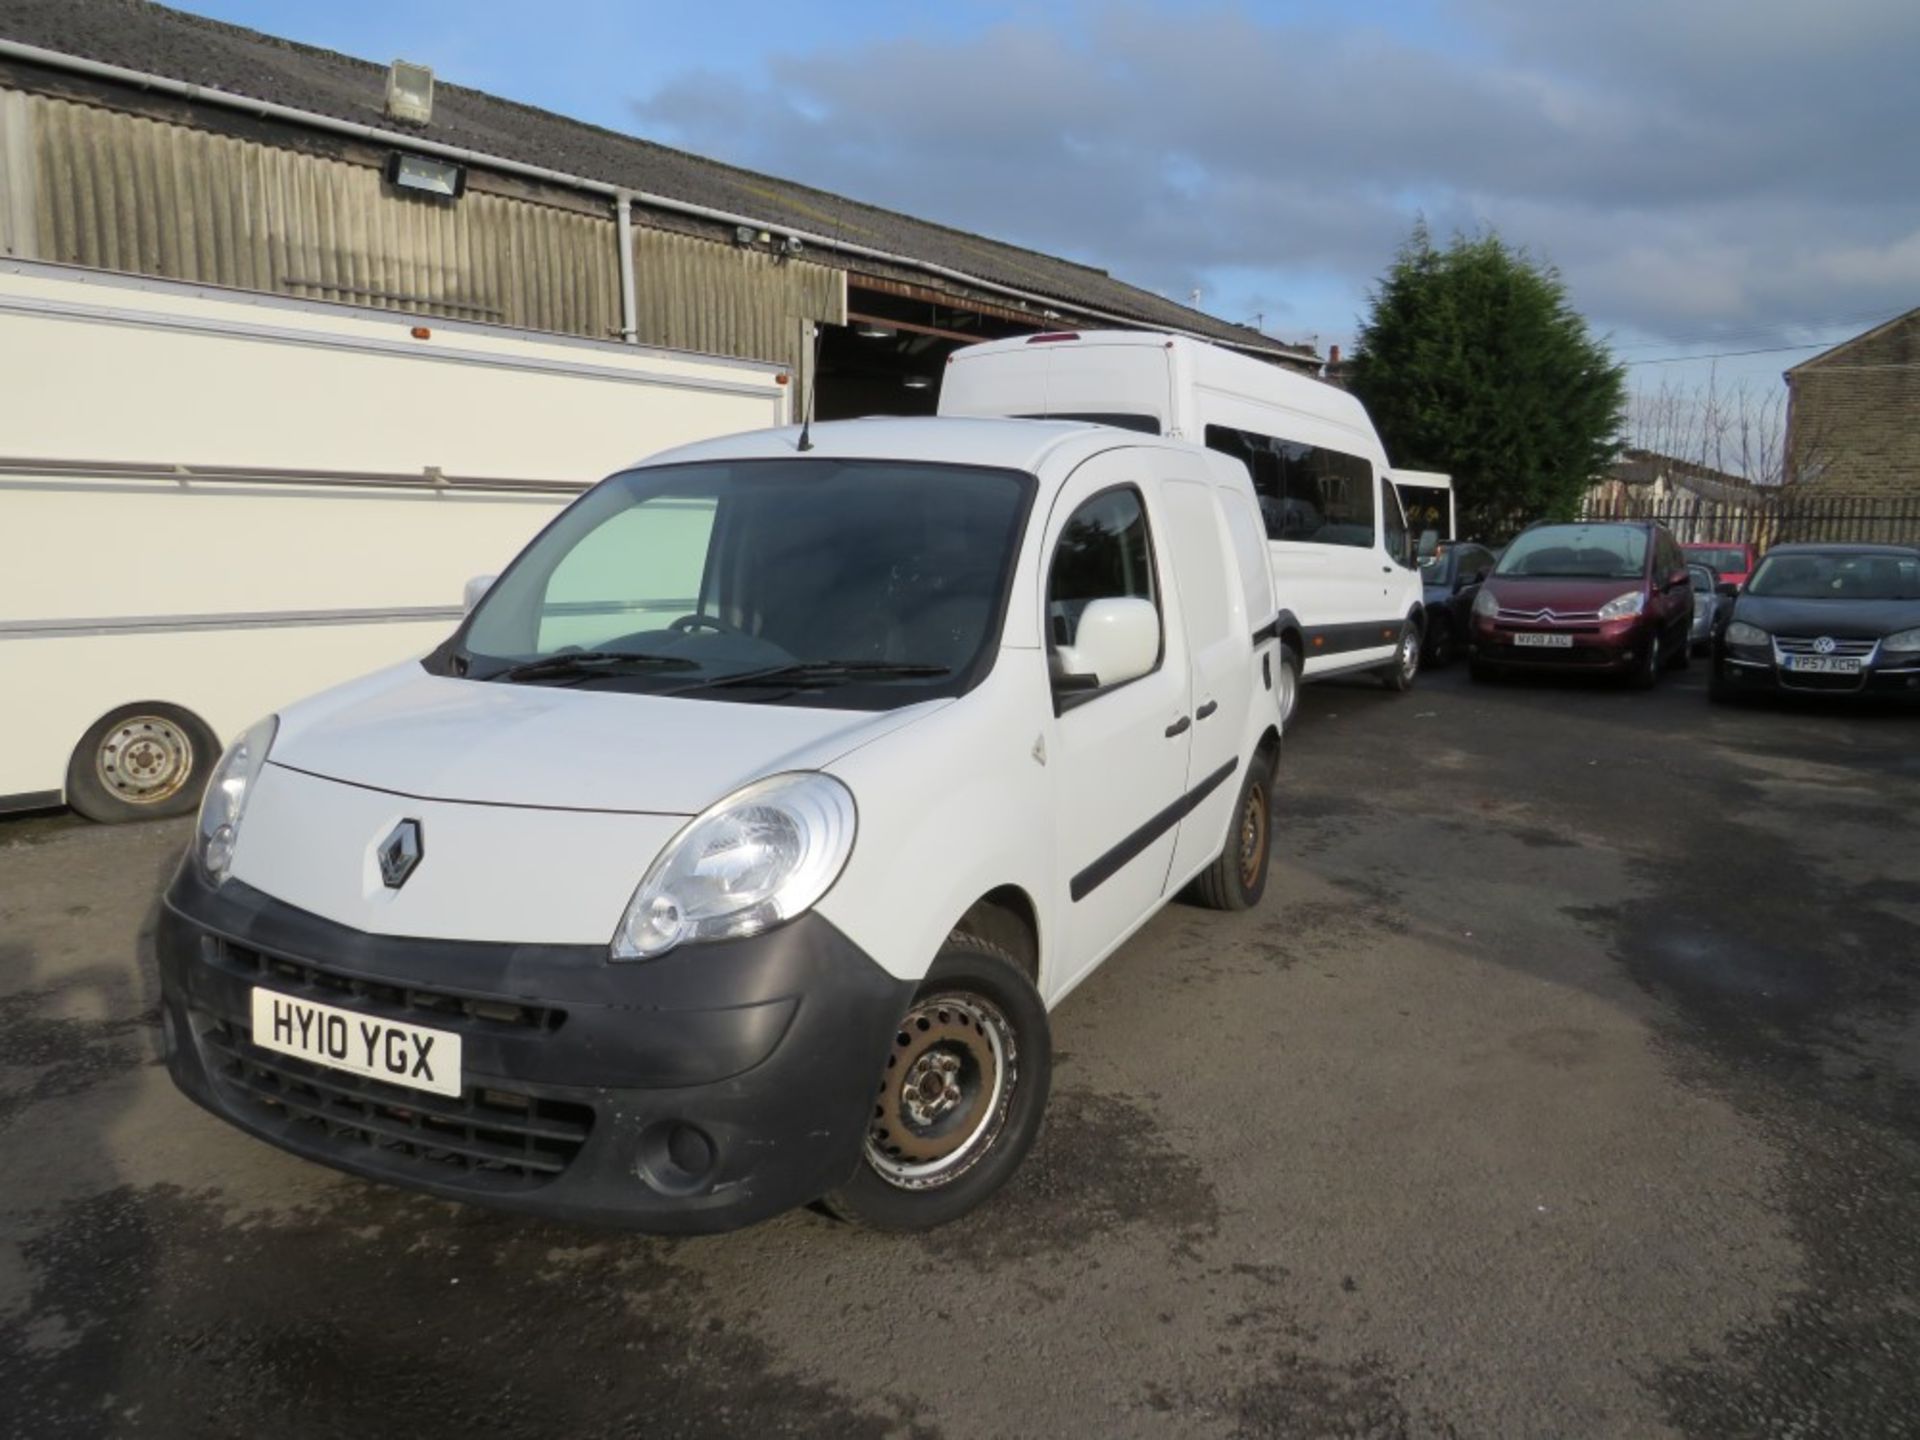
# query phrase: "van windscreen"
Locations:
[[856, 584]]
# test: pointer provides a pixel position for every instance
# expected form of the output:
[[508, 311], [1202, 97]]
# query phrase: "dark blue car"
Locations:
[[1452, 576]]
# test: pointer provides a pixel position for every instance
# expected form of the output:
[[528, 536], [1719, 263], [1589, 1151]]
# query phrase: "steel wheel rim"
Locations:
[[1253, 836], [912, 1141], [144, 759], [1410, 653], [1289, 692]]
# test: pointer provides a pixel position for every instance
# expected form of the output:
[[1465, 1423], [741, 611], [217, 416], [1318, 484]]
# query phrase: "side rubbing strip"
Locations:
[[1136, 844], [1268, 631]]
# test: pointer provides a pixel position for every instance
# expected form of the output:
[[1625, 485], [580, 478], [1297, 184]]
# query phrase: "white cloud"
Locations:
[[1714, 163]]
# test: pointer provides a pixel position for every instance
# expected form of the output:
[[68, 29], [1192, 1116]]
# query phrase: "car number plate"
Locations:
[[1823, 664], [1545, 641], [410, 1055]]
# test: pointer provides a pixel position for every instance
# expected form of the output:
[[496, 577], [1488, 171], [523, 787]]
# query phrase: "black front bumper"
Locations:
[[1743, 672], [704, 1090]]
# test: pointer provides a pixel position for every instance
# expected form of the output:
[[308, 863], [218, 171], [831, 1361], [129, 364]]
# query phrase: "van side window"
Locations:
[[1307, 492], [1104, 551]]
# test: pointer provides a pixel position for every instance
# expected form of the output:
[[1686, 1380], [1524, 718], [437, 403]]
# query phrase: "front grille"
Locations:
[[1806, 645], [1796, 680], [487, 1138], [399, 1002]]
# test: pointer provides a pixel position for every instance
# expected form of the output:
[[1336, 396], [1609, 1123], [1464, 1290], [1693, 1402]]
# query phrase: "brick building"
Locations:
[[1853, 414]]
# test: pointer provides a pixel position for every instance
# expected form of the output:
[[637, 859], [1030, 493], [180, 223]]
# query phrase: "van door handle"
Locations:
[[1206, 710], [1179, 727]]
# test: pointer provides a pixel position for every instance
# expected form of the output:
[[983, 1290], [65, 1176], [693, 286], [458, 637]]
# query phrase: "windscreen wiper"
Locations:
[[578, 663], [821, 672]]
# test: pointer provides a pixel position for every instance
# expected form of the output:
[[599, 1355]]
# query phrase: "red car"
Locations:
[[1606, 596], [1733, 563]]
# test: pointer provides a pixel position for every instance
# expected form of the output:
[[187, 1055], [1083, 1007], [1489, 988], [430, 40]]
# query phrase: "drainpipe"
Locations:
[[629, 306]]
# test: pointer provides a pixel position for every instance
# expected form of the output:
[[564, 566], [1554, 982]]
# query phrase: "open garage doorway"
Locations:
[[888, 358]]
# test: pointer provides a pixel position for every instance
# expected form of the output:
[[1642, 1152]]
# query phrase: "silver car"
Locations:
[[1710, 608]]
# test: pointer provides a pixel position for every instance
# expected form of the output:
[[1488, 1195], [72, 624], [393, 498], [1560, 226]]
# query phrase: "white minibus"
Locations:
[[1349, 595]]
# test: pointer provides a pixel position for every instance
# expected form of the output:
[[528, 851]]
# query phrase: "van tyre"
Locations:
[[1404, 669], [958, 1101], [1238, 878], [140, 762]]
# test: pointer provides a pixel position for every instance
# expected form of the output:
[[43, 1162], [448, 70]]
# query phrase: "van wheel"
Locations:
[[140, 762], [1238, 878], [959, 1099], [1289, 682], [1400, 673]]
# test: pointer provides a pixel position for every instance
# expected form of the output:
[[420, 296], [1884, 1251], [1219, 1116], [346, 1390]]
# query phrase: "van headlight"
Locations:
[[761, 856], [1621, 606], [225, 803], [1741, 633], [1902, 642], [1486, 603]]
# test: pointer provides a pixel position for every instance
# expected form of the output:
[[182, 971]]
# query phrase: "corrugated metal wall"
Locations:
[[721, 298], [91, 186]]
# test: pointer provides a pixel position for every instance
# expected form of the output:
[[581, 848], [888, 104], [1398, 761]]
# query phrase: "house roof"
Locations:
[[151, 38], [1845, 345], [1644, 467]]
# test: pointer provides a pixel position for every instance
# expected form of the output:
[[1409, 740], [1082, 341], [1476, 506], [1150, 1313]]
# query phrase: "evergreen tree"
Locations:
[[1471, 361]]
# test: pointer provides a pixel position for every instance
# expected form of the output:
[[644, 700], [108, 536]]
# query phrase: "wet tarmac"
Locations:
[[1568, 1083]]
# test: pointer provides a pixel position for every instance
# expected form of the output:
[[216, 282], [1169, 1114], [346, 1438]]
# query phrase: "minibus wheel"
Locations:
[[141, 761], [1238, 878], [959, 1096], [1289, 682], [1400, 673]]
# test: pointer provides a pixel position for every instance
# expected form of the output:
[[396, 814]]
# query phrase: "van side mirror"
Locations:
[[1117, 640], [477, 588]]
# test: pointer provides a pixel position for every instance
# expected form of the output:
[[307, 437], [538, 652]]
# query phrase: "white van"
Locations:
[[215, 502], [731, 852], [1350, 597]]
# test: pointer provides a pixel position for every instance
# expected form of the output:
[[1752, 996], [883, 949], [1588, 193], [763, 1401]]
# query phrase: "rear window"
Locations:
[[1598, 552], [1723, 558]]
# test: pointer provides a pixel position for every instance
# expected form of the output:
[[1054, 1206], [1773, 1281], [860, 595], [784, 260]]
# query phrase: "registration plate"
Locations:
[[410, 1055], [1822, 664], [1545, 641]]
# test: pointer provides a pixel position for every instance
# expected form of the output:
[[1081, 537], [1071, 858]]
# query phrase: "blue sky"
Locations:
[[1713, 175]]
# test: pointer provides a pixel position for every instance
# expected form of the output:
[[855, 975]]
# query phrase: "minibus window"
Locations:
[[1308, 493]]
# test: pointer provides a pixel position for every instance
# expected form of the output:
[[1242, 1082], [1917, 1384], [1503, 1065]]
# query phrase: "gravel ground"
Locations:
[[1565, 1085]]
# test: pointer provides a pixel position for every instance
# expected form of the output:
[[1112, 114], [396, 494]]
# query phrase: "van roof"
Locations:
[[1210, 367], [996, 443]]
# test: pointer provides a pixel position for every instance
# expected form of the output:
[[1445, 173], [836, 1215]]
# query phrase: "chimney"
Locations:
[[1333, 357]]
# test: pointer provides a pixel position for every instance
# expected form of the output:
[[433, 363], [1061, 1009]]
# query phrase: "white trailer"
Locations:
[[213, 502]]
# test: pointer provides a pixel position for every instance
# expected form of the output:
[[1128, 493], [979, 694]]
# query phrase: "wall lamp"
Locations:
[[430, 177]]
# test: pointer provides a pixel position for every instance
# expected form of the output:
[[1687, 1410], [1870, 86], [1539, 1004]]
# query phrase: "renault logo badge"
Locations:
[[400, 854]]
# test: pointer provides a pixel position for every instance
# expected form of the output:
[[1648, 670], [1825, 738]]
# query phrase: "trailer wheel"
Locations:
[[140, 762]]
